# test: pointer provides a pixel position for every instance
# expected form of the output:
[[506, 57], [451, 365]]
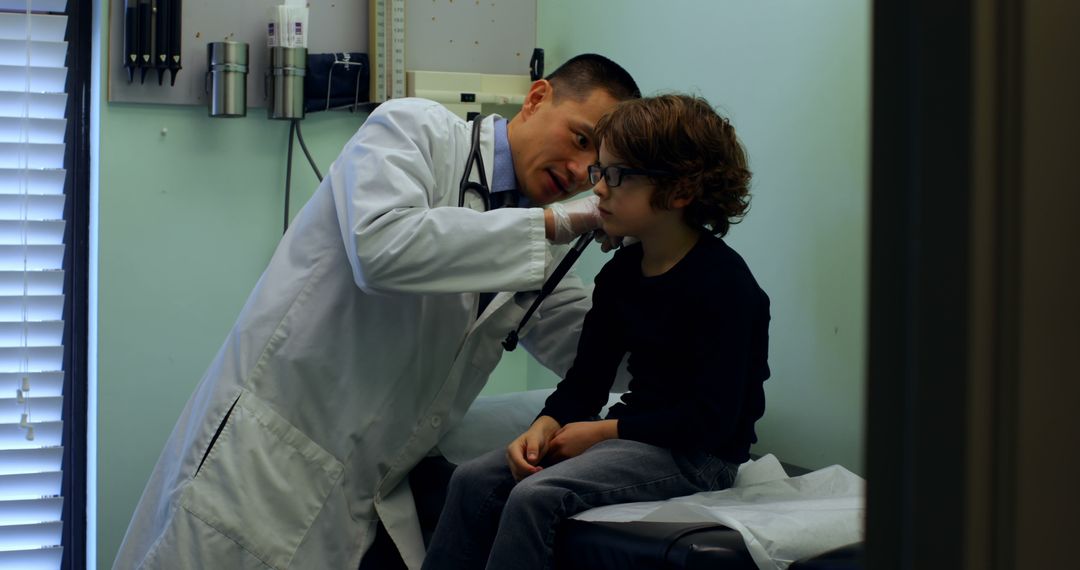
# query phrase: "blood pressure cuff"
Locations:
[[335, 80]]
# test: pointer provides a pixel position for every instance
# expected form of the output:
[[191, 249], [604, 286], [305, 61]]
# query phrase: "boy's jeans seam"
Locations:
[[481, 511], [560, 515], [549, 540], [637, 485]]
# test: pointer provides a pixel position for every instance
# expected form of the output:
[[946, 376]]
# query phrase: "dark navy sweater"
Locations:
[[698, 340]]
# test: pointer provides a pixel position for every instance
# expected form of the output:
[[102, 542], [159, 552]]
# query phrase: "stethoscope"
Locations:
[[481, 189], [511, 340], [474, 158]]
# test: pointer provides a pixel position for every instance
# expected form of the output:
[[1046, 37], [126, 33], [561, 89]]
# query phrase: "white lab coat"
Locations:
[[358, 348]]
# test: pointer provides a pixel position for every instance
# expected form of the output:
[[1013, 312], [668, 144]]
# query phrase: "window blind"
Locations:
[[33, 103]]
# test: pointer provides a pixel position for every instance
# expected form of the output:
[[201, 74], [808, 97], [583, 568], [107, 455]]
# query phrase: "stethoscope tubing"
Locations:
[[480, 188], [511, 340]]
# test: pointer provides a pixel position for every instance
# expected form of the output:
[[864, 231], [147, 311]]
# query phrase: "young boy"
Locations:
[[686, 308]]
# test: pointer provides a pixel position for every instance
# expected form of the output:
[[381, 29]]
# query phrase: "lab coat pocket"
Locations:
[[263, 482]]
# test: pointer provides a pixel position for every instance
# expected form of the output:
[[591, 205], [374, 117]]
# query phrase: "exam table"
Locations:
[[582, 545]]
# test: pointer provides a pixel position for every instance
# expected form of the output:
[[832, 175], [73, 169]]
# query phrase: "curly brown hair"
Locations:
[[683, 135]]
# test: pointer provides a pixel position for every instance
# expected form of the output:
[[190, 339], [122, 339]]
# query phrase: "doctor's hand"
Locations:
[[576, 437], [609, 242], [563, 221], [524, 453]]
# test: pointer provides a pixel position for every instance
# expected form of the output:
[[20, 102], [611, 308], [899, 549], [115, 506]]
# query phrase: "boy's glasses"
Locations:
[[614, 174]]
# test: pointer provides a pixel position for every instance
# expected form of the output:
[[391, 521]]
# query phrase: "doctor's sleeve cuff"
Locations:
[[540, 257]]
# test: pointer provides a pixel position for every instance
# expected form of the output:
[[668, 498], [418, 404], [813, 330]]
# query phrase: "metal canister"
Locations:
[[226, 79], [285, 83]]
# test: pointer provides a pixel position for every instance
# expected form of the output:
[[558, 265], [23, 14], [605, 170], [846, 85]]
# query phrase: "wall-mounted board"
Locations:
[[477, 36], [470, 36]]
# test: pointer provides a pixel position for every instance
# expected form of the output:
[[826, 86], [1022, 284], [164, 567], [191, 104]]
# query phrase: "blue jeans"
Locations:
[[491, 522]]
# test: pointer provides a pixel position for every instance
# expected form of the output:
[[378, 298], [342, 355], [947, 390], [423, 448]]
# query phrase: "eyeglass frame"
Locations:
[[622, 170]]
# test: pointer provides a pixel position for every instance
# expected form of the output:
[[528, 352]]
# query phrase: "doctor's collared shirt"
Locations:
[[504, 190]]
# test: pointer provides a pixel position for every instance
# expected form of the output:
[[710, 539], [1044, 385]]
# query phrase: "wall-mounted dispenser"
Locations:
[[285, 83], [226, 79]]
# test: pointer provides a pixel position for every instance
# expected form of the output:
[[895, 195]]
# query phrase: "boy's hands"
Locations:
[[524, 453], [545, 438], [575, 437]]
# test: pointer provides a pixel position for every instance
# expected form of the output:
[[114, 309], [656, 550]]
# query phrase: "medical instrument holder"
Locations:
[[536, 64], [511, 341], [226, 79], [167, 39], [284, 83]]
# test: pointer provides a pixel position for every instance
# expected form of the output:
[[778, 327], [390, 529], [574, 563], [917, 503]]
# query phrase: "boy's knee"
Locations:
[[463, 477], [478, 475], [535, 493]]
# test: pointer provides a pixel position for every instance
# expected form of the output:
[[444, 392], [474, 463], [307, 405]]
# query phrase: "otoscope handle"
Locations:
[[131, 38], [175, 12], [161, 38], [145, 15]]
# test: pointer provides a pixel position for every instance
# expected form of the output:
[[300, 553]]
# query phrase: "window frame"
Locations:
[[76, 282]]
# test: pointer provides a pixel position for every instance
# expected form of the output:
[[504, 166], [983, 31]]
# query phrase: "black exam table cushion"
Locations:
[[581, 545], [584, 545]]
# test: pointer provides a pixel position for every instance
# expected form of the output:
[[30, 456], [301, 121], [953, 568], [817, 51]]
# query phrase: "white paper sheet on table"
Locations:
[[781, 518]]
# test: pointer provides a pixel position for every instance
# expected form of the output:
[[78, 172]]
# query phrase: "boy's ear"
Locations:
[[680, 202], [682, 194]]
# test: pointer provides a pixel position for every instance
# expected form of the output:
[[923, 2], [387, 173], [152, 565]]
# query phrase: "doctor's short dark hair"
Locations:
[[685, 136], [583, 74]]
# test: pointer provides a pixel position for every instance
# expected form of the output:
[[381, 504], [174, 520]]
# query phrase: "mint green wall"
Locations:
[[187, 221], [189, 212], [794, 77]]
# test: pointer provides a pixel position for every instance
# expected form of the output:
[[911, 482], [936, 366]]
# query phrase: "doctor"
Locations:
[[368, 335]]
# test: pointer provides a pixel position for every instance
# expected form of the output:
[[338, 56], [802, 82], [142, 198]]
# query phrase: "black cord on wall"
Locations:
[[300, 137], [295, 132], [288, 176]]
